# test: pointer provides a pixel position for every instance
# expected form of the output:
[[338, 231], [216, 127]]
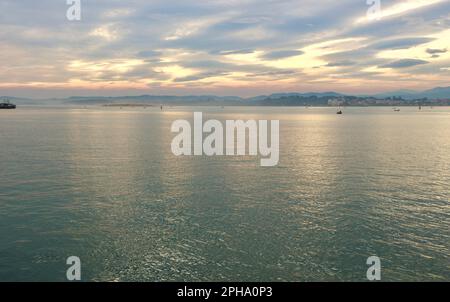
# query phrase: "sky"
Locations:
[[222, 47]]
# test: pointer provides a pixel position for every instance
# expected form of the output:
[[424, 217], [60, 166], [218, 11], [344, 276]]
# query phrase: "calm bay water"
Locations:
[[102, 184]]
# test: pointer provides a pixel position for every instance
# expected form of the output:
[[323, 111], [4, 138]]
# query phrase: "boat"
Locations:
[[339, 112], [397, 110], [7, 105]]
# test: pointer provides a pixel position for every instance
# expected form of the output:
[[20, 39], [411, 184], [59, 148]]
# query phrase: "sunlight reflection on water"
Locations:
[[102, 184]]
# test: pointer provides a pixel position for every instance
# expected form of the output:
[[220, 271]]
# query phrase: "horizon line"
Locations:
[[221, 95]]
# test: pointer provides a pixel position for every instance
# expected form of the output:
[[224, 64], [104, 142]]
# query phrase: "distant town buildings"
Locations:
[[390, 101]]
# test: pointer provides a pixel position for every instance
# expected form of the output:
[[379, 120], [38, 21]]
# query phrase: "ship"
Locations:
[[7, 105]]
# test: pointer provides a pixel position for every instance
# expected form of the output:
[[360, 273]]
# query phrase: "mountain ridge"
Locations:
[[321, 97]]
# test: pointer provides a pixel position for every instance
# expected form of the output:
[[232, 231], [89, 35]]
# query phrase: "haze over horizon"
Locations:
[[243, 48]]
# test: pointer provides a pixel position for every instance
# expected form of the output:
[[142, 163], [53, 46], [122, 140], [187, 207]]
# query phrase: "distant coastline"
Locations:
[[439, 96], [127, 105]]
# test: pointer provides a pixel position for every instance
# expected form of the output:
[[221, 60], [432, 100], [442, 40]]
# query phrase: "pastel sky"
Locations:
[[222, 47]]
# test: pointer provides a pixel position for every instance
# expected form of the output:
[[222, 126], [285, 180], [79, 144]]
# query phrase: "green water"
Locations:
[[102, 184]]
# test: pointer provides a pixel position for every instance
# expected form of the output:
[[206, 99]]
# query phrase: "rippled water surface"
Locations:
[[102, 184]]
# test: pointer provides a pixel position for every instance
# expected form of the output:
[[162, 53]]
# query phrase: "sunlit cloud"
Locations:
[[118, 12], [118, 65], [246, 47], [437, 43], [404, 63], [106, 32], [399, 8]]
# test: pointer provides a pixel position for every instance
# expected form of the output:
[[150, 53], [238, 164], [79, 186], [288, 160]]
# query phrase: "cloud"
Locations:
[[107, 32], [118, 12], [404, 63], [281, 54], [274, 75], [247, 46], [341, 63], [397, 9], [144, 72], [207, 64], [436, 51], [200, 76], [403, 43], [149, 54], [232, 52]]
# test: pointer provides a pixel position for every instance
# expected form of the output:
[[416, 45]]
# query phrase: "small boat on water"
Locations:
[[396, 110], [7, 105], [339, 112]]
